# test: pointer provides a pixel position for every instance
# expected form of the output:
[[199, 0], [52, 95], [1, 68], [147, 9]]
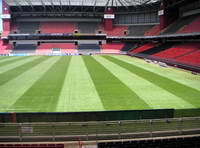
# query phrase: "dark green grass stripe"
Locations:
[[44, 94], [13, 73], [185, 92], [114, 94], [12, 61], [3, 57]]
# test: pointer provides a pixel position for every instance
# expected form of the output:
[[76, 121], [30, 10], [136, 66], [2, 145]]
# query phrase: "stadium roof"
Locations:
[[106, 3]]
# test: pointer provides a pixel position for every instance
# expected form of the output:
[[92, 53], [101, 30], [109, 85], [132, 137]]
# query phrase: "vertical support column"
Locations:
[[13, 117], [6, 22], [108, 19], [167, 15], [6, 16], [163, 17]]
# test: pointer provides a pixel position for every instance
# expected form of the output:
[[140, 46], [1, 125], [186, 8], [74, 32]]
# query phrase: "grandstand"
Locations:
[[100, 74]]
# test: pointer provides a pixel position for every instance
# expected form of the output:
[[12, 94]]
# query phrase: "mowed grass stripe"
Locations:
[[14, 89], [114, 94], [180, 76], [12, 60], [185, 92], [154, 96], [44, 93], [11, 74], [3, 57], [11, 66], [78, 92], [9, 58]]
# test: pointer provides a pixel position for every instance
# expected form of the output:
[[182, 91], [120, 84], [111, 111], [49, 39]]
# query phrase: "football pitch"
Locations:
[[93, 83]]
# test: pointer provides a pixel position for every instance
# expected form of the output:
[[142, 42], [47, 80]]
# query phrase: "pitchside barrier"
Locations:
[[86, 116]]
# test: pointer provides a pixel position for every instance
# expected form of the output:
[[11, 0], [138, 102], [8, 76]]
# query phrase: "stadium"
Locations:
[[100, 74]]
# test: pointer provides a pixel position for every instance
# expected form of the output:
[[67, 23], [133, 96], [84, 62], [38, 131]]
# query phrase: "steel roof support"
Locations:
[[30, 3], [18, 5]]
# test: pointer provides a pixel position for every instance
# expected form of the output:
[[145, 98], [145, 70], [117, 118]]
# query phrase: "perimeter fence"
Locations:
[[101, 130]]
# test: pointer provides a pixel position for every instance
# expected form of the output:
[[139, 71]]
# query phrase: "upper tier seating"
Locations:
[[192, 27], [57, 27], [116, 31], [89, 28], [153, 31], [88, 47], [139, 30], [179, 24], [27, 27]]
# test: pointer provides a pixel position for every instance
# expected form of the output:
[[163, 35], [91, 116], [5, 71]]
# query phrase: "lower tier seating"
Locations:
[[24, 47], [178, 50], [113, 46], [191, 59], [57, 45], [88, 47]]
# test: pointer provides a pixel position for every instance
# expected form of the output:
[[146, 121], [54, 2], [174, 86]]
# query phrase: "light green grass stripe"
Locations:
[[12, 60], [11, 74], [177, 75], [78, 92], [6, 68], [9, 59], [153, 95], [113, 93], [3, 57], [44, 93], [185, 92], [15, 88]]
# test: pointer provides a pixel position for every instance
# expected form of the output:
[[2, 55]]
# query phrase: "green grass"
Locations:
[[11, 60], [43, 95], [93, 83], [185, 92], [114, 94], [11, 74]]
